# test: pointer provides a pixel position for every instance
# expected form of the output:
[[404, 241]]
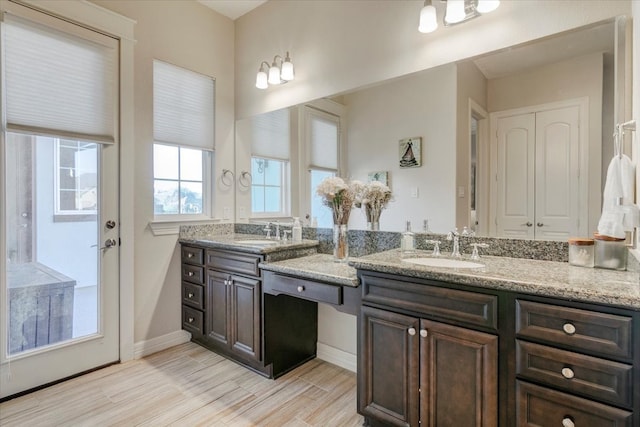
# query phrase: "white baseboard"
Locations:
[[336, 356], [145, 348]]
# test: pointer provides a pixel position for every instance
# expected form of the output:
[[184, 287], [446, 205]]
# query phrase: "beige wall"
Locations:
[[192, 36], [340, 46], [422, 105]]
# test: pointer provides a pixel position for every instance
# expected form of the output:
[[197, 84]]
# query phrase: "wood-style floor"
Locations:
[[188, 385]]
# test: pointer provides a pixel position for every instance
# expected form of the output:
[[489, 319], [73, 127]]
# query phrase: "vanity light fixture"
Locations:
[[456, 12], [276, 73]]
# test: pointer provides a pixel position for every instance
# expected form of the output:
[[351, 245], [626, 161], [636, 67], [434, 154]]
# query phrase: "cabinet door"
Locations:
[[458, 376], [388, 367], [217, 302], [245, 317]]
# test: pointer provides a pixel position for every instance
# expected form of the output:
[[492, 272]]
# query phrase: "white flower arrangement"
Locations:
[[339, 196], [374, 197]]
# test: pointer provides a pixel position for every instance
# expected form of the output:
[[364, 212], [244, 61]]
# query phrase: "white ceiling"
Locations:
[[233, 9]]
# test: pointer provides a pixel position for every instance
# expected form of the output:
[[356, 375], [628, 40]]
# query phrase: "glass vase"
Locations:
[[340, 243]]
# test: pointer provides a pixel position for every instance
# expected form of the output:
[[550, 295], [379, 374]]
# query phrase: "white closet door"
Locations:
[[557, 167], [515, 208]]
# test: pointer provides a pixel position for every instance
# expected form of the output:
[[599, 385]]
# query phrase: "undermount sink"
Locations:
[[257, 242], [443, 262]]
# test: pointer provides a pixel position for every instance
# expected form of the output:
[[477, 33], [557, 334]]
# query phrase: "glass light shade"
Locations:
[[455, 11], [486, 6], [274, 74], [428, 20], [261, 80], [287, 71]]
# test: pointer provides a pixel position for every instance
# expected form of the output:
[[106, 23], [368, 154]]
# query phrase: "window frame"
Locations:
[[207, 187], [285, 181]]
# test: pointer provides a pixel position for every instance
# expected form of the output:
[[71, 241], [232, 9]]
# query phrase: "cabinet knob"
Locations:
[[190, 295], [568, 373], [191, 319], [190, 274], [423, 333], [412, 331], [539, 224], [300, 288], [569, 328], [189, 255], [568, 422]]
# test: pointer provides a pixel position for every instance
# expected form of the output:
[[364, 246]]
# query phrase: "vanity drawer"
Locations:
[[584, 330], [193, 273], [540, 406], [192, 255], [193, 295], [234, 262], [192, 320], [444, 303], [573, 372], [276, 284]]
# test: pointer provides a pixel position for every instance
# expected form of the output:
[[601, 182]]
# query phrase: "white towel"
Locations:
[[619, 214]]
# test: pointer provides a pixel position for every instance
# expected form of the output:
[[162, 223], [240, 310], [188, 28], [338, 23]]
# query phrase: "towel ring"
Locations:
[[245, 179], [223, 177]]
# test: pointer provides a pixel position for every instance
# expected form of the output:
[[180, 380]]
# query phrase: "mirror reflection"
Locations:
[[511, 144]]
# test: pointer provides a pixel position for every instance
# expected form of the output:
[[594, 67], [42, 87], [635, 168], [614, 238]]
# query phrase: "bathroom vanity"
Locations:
[[441, 347]]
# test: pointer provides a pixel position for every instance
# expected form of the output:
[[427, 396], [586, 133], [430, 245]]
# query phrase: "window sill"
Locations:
[[169, 227]]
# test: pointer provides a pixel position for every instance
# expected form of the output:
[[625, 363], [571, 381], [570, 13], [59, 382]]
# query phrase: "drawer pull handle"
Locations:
[[569, 329], [412, 331], [568, 373], [423, 333], [189, 255], [568, 422], [191, 319], [190, 295], [300, 288], [190, 274]]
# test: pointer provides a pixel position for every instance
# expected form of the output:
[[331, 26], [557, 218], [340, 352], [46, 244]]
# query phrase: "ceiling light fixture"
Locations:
[[456, 12], [280, 71]]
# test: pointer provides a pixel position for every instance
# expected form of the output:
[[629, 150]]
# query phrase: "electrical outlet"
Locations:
[[414, 192], [226, 212]]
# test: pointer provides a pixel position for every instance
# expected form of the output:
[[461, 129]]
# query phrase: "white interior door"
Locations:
[[59, 233], [557, 173], [515, 177]]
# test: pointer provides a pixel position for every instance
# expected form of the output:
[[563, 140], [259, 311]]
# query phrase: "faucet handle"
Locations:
[[285, 234], [475, 254], [267, 230], [436, 246]]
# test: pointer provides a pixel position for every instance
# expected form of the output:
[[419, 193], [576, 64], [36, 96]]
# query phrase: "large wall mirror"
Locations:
[[513, 143]]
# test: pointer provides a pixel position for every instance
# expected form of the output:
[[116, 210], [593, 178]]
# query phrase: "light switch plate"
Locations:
[[414, 192]]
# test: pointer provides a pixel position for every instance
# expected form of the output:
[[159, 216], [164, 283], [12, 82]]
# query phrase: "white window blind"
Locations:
[[271, 135], [183, 106], [323, 136], [60, 83]]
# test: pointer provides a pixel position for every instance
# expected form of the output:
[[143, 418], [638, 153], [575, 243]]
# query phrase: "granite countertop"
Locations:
[[248, 243], [319, 267], [546, 278]]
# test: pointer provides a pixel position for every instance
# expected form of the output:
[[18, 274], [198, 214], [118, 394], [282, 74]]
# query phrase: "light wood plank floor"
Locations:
[[188, 385]]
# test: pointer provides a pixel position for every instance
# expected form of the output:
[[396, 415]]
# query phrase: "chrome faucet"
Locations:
[[267, 230], [455, 236], [277, 236]]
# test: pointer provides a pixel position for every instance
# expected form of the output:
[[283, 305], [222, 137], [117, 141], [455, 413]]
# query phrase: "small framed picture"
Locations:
[[410, 152], [379, 176]]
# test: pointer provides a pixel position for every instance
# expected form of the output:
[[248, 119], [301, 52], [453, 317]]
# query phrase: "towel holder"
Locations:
[[618, 135], [225, 180], [245, 179]]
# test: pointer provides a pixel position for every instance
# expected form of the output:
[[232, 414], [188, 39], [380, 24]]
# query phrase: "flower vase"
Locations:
[[373, 226], [340, 243]]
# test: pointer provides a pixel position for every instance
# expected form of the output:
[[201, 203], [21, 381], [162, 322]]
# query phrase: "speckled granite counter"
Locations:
[[316, 267], [547, 278], [273, 250]]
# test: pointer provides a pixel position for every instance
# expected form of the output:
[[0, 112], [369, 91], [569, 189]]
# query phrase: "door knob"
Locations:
[[109, 243], [539, 224], [412, 331], [110, 224], [528, 224]]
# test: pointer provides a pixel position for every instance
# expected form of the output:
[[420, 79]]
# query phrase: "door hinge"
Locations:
[[119, 241]]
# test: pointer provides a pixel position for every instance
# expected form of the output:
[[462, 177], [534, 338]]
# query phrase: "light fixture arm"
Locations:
[[280, 71]]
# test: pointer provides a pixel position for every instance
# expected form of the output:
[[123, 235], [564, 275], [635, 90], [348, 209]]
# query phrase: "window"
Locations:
[[270, 136], [76, 177], [178, 185], [268, 186], [323, 142], [183, 130]]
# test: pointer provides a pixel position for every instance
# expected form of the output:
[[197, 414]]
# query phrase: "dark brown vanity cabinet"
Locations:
[[574, 366], [420, 359]]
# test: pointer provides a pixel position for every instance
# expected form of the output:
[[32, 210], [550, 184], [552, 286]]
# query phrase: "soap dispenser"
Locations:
[[296, 235], [407, 243]]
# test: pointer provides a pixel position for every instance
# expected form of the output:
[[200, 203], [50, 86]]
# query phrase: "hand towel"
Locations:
[[619, 214]]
